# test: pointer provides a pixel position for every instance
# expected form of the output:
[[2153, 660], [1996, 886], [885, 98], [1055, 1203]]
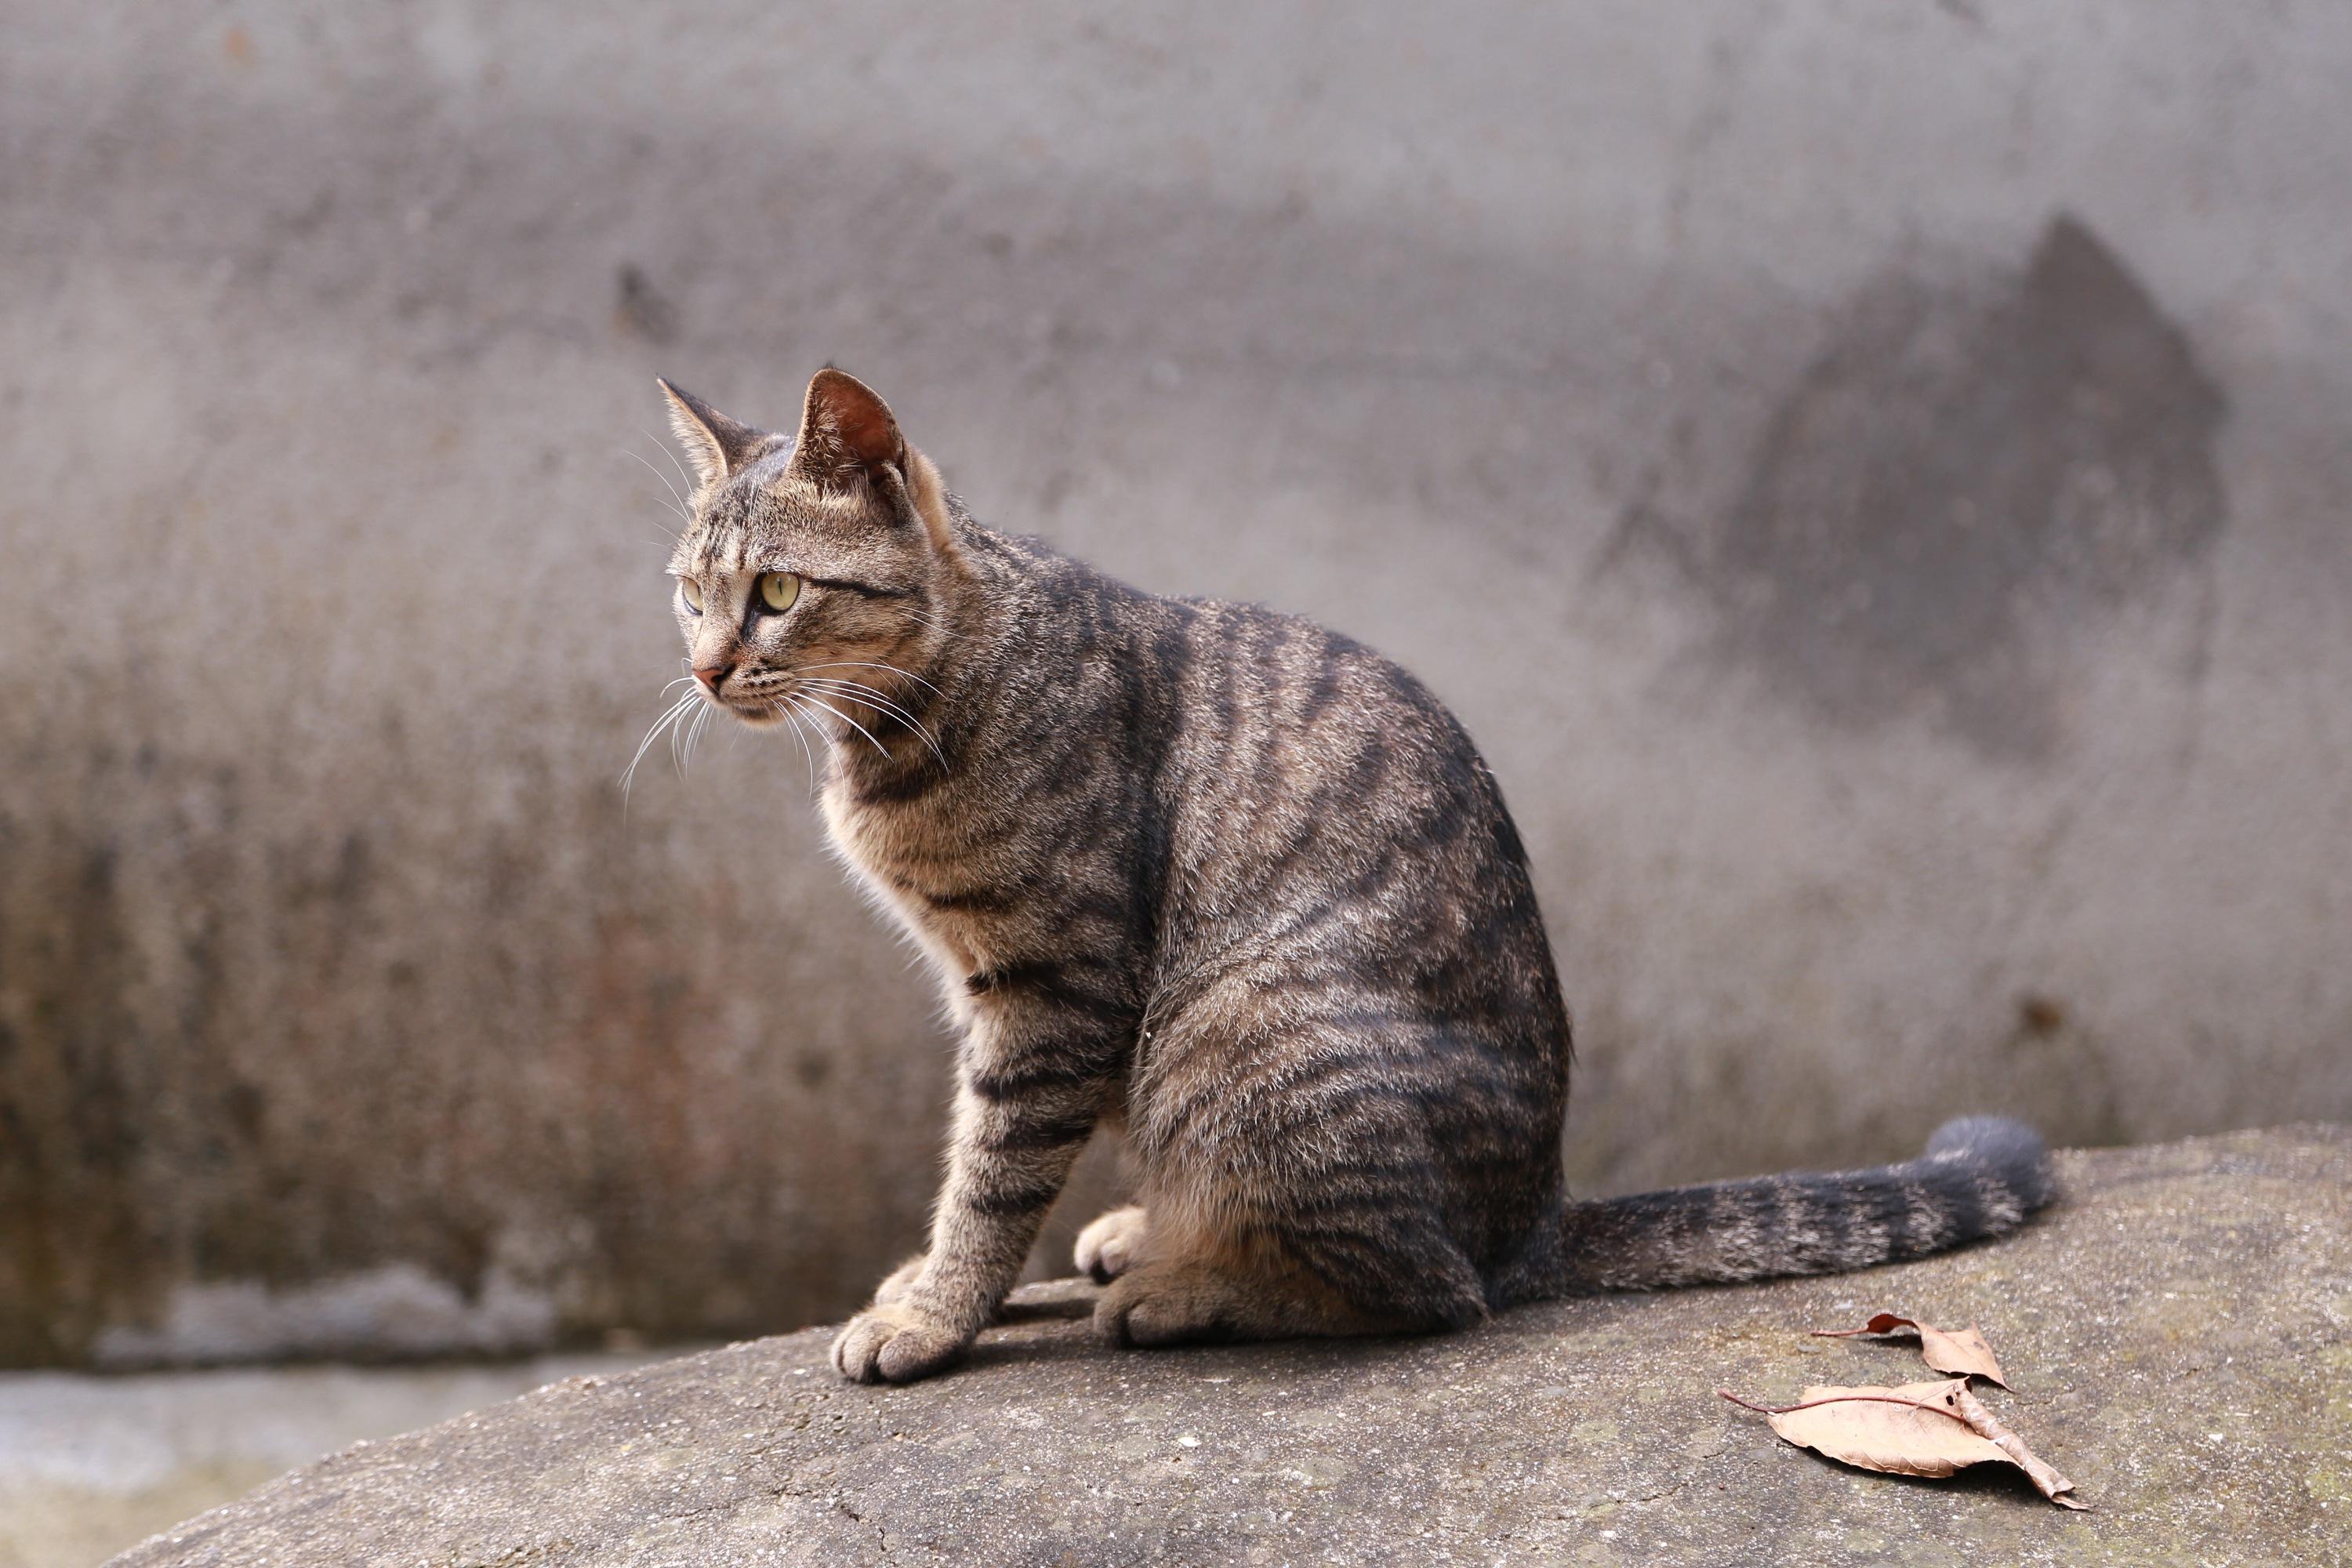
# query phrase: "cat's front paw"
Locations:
[[897, 1343]]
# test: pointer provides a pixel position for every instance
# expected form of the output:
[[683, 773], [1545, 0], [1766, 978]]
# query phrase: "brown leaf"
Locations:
[[1914, 1430], [1962, 1352], [2045, 1478], [1910, 1430]]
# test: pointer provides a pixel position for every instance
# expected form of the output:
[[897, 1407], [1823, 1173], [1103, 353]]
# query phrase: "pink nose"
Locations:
[[710, 674]]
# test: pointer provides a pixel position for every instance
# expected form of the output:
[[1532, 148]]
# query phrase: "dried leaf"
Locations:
[[1910, 1430], [1914, 1430], [1962, 1352], [2045, 1478]]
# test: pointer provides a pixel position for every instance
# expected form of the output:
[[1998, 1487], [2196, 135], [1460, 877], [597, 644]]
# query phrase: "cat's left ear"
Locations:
[[716, 444], [846, 432], [848, 436]]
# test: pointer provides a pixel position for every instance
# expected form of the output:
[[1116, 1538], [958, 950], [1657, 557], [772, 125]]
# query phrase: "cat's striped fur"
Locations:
[[1231, 883]]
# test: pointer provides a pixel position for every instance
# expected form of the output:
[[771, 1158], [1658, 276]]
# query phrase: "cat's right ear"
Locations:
[[716, 444]]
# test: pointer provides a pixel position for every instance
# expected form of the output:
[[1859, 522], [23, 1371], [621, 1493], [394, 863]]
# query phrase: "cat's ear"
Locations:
[[846, 432], [848, 437], [716, 444]]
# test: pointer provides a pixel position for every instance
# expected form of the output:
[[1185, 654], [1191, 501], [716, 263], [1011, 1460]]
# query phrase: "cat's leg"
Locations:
[[1005, 1165], [1109, 1247], [1030, 1095], [1293, 1179]]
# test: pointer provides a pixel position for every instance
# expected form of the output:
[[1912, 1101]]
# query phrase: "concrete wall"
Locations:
[[1874, 478]]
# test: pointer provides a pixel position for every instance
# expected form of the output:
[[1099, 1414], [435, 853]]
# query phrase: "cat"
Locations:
[[1225, 882]]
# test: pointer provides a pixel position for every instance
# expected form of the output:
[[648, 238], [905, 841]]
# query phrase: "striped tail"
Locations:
[[1981, 1176]]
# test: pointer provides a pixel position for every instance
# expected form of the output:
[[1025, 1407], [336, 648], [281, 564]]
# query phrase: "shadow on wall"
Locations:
[[1959, 478]]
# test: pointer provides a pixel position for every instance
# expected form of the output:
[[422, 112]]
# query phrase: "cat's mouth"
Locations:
[[759, 717], [758, 712]]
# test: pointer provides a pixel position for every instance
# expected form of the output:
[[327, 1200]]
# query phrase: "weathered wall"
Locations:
[[1875, 480]]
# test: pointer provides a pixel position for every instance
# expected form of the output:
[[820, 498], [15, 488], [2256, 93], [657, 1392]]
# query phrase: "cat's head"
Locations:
[[817, 565]]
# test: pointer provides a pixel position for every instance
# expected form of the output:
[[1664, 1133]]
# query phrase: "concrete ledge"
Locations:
[[2179, 1332]]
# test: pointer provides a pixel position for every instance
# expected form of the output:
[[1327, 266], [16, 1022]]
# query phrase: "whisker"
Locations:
[[869, 664], [802, 716], [666, 450], [848, 721], [693, 736], [824, 737], [793, 718], [858, 691], [678, 738], [940, 626], [668, 717], [678, 502]]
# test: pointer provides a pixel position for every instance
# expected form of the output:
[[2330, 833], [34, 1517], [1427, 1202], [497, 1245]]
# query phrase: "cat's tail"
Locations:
[[1981, 1175]]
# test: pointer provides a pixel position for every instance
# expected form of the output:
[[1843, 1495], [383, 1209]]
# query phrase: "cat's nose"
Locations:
[[710, 674]]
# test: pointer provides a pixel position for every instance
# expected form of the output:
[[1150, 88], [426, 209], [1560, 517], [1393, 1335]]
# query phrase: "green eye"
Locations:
[[778, 590], [693, 592]]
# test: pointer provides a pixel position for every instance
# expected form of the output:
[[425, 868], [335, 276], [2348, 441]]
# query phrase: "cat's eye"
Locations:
[[692, 591], [777, 591]]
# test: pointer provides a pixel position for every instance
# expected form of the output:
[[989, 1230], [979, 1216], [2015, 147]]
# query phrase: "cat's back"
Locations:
[[1319, 795], [1276, 708], [1217, 707], [1279, 793]]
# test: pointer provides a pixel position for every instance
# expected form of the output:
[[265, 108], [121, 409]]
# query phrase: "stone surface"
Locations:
[[90, 1463], [2179, 1333], [1872, 476]]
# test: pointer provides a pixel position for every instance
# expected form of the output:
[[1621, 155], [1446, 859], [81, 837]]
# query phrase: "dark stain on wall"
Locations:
[[334, 1040], [1955, 481]]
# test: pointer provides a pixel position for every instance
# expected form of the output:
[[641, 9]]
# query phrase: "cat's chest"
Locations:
[[899, 857]]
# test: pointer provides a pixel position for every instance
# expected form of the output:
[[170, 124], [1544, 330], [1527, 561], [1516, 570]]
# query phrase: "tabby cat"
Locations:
[[1223, 881]]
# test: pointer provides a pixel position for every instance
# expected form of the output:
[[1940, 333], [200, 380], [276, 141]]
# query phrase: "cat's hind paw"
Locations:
[[1112, 1245], [1175, 1304]]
